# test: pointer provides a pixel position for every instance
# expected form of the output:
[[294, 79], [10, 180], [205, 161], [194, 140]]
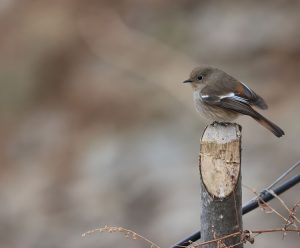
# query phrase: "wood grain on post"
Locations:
[[220, 175]]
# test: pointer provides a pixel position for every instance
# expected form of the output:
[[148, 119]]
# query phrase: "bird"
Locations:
[[220, 97]]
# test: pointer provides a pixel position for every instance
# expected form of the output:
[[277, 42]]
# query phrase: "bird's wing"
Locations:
[[233, 102], [252, 98], [235, 90], [230, 101]]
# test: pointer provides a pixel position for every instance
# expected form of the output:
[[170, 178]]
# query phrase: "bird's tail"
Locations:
[[268, 124]]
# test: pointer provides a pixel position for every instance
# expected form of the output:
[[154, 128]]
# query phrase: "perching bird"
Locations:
[[220, 97]]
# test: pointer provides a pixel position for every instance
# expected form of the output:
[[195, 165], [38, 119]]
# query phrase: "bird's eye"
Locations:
[[199, 77]]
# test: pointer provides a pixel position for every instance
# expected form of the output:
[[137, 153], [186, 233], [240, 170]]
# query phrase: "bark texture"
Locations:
[[220, 175]]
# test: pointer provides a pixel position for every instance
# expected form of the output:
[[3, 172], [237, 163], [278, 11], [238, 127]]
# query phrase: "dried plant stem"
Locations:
[[291, 213], [128, 234], [276, 230], [262, 202], [275, 211], [219, 239], [246, 231], [133, 235]]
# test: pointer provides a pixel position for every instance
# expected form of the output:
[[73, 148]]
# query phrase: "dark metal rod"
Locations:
[[251, 205]]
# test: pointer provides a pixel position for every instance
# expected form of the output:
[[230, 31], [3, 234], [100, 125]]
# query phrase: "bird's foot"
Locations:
[[221, 123]]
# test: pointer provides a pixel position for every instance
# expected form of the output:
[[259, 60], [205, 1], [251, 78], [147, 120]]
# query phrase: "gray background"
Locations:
[[96, 127]]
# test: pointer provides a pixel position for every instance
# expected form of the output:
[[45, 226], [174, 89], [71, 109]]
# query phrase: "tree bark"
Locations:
[[220, 175]]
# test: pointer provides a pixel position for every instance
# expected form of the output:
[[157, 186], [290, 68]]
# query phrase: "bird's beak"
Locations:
[[187, 81]]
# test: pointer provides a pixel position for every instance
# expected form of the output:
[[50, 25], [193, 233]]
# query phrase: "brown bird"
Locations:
[[220, 97]]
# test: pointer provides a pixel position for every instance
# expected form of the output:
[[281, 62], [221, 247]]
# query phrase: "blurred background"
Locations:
[[97, 129]]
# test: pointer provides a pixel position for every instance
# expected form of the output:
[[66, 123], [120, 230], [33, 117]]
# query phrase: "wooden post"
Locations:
[[220, 175]]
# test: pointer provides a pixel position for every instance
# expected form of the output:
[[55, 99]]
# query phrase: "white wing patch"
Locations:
[[231, 94], [216, 98]]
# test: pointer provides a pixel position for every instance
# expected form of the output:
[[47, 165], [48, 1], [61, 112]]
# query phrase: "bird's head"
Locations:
[[199, 76]]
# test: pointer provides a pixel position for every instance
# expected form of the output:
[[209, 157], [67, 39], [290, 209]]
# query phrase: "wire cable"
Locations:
[[293, 167], [288, 171]]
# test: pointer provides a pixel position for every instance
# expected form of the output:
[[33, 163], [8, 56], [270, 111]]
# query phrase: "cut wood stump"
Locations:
[[220, 175]]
